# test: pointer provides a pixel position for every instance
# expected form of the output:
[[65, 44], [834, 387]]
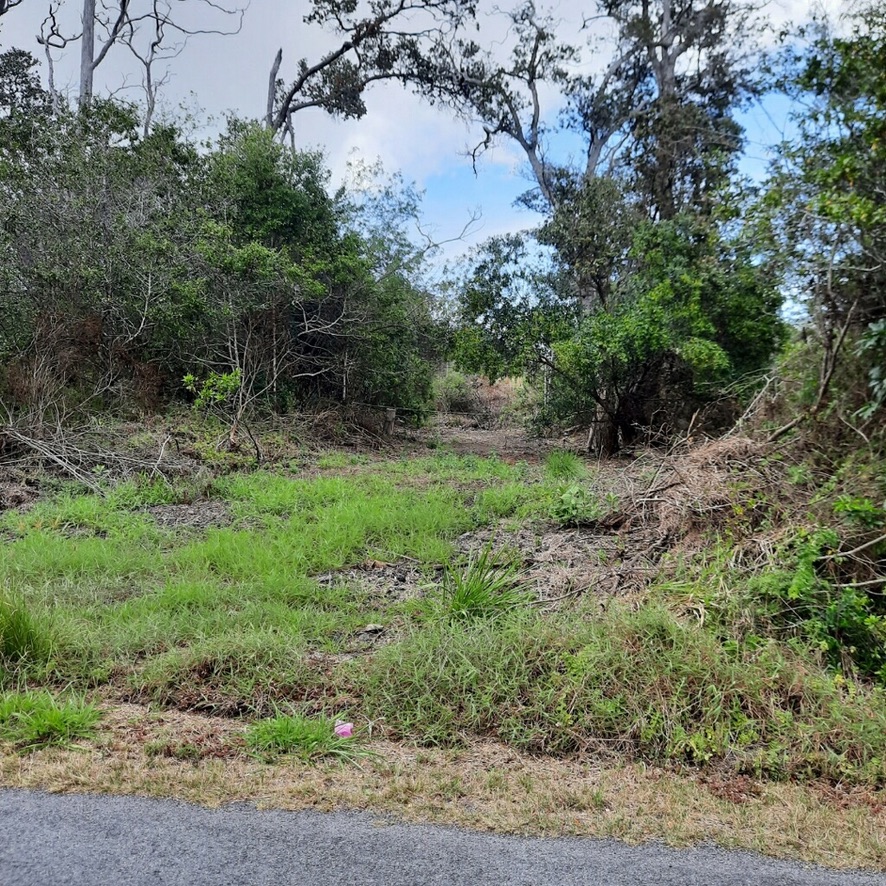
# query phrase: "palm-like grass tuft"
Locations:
[[483, 588]]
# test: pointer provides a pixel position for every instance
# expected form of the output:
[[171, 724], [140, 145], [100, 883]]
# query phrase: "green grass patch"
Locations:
[[447, 466], [33, 720], [250, 619], [511, 499], [25, 637], [643, 683], [561, 464], [122, 591], [310, 738], [244, 672], [338, 460]]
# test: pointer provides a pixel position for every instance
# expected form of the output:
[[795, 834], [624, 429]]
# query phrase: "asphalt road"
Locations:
[[62, 840]]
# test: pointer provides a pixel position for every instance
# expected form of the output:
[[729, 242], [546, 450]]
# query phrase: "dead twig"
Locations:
[[44, 449], [831, 359], [839, 555]]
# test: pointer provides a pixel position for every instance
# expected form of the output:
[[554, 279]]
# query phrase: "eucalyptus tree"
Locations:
[[642, 223], [670, 76], [151, 30], [383, 40]]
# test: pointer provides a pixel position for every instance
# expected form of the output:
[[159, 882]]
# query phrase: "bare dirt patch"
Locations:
[[563, 563], [198, 516], [16, 496], [557, 564], [132, 728], [465, 436], [390, 582]]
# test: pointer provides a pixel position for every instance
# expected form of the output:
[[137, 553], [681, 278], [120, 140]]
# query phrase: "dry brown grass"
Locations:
[[486, 786]]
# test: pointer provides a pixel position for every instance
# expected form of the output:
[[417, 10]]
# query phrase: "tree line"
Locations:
[[138, 263]]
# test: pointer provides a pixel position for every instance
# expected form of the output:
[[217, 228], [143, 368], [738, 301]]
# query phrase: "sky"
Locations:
[[215, 75]]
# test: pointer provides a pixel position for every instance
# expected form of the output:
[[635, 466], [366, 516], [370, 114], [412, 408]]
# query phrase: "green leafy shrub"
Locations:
[[576, 505], [453, 392], [872, 347], [796, 601], [860, 511], [216, 390]]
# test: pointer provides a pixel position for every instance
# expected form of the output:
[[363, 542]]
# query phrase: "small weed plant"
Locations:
[[576, 505]]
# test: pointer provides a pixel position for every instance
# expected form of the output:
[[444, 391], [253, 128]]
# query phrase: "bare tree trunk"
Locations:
[[150, 100], [603, 436], [272, 89], [50, 75], [87, 53]]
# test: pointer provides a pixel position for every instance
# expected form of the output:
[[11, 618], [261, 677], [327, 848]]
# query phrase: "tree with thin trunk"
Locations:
[[148, 28]]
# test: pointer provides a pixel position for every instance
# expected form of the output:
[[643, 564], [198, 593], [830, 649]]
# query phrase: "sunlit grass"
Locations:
[[254, 618], [137, 603]]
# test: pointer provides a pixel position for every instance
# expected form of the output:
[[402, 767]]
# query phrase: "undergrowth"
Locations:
[[765, 671], [644, 683]]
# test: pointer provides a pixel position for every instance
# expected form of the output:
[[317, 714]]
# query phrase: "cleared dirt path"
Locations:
[[70, 840]]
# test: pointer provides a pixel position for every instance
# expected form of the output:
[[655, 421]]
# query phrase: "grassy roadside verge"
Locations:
[[485, 785], [360, 590]]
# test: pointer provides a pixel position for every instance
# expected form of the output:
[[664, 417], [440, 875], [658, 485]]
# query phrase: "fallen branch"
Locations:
[[840, 554], [831, 358], [46, 451]]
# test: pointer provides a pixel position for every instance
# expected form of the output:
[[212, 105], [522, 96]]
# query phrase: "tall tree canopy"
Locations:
[[667, 300]]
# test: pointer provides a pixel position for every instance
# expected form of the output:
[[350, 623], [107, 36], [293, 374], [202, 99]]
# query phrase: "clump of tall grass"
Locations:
[[24, 636], [33, 720], [561, 464], [482, 588], [309, 738]]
